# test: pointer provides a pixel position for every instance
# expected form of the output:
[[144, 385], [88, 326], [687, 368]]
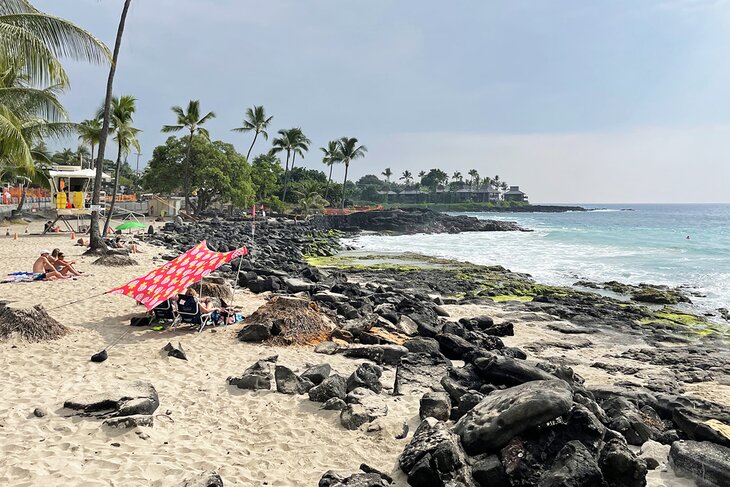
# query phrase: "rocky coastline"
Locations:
[[411, 221], [507, 369]]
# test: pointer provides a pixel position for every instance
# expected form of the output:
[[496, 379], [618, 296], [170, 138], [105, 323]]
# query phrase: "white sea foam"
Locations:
[[631, 247]]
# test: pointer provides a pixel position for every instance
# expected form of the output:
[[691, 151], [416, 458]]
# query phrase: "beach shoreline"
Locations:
[[204, 424]]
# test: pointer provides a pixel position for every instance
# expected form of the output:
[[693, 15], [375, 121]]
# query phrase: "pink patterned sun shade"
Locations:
[[177, 275]]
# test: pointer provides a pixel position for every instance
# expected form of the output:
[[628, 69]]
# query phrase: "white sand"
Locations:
[[251, 438]]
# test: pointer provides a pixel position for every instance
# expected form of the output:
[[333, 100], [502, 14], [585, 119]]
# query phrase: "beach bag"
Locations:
[[140, 321]]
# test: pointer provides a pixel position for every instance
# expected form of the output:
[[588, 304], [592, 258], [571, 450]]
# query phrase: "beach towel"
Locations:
[[22, 277]]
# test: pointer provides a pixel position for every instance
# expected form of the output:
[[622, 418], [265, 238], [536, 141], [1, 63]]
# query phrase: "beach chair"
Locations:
[[165, 311], [188, 311]]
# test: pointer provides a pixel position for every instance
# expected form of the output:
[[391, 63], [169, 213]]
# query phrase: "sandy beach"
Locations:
[[251, 438]]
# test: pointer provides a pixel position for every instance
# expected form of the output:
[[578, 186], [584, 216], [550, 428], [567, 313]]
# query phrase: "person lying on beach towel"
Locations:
[[44, 269], [63, 266]]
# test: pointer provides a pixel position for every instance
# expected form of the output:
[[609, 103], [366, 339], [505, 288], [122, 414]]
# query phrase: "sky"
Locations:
[[575, 101]]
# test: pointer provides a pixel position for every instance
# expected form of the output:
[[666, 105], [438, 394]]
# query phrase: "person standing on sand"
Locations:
[[44, 270]]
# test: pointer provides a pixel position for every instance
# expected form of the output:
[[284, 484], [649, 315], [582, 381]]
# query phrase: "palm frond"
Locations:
[[171, 128]]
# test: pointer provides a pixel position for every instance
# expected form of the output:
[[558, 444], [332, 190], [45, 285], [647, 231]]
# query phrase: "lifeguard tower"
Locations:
[[70, 186]]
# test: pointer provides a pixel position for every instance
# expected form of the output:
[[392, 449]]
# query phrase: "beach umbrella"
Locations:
[[177, 275], [130, 225]]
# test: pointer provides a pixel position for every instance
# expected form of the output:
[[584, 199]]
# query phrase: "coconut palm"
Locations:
[[256, 121], [95, 237], [421, 174], [407, 177], [348, 152], [293, 142], [38, 40], [301, 145], [330, 158], [474, 174], [193, 123], [90, 133], [122, 113], [387, 173]]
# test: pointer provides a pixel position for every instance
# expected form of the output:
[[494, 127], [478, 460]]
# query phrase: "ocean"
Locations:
[[634, 244]]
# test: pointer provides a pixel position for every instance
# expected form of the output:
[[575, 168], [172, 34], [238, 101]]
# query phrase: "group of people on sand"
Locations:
[[113, 243], [52, 265]]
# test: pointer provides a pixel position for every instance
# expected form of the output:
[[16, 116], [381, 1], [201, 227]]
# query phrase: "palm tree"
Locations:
[[257, 121], [387, 173], [495, 181], [294, 142], [330, 158], [82, 155], [300, 145], [193, 122], [407, 177], [349, 151], [474, 174], [96, 242], [421, 174], [37, 40], [122, 113], [90, 133]]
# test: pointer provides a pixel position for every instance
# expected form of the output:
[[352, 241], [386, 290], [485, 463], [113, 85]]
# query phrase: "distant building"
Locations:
[[481, 195], [514, 194]]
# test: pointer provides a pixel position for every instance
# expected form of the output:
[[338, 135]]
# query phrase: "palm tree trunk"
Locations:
[[22, 199], [329, 180], [344, 185], [91, 163], [114, 192], [186, 173], [95, 237], [248, 154], [286, 176]]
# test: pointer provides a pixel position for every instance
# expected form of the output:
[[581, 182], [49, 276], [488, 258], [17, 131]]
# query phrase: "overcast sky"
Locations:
[[585, 101]]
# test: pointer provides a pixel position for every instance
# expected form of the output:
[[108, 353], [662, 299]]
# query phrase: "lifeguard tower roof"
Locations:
[[74, 172]]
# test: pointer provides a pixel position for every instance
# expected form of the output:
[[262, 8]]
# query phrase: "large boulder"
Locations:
[[333, 386], [702, 461], [122, 399], [422, 345], [317, 373], [380, 354], [258, 376], [366, 375], [636, 425], [574, 466], [417, 371], [355, 415], [435, 405], [434, 456], [502, 415], [499, 370], [620, 467], [287, 382]]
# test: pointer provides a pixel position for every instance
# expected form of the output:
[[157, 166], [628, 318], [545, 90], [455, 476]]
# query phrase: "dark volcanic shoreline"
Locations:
[[590, 374], [411, 221]]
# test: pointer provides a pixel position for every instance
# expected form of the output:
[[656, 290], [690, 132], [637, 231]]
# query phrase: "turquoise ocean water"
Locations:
[[627, 243]]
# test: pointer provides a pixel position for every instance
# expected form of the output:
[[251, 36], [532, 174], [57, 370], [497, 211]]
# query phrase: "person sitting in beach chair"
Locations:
[[165, 311], [63, 266], [190, 310], [43, 269]]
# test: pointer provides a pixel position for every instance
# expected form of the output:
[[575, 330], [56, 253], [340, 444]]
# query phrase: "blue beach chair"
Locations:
[[188, 310]]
